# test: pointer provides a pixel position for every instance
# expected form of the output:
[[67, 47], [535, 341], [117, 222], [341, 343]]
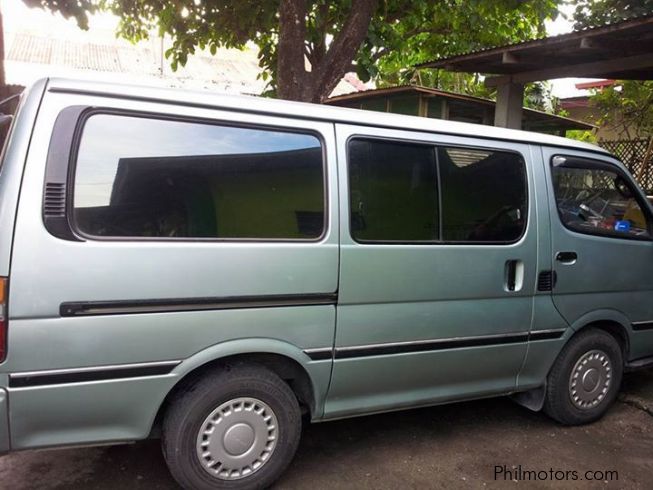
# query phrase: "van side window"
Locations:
[[395, 195], [598, 201], [142, 177], [483, 195], [393, 191]]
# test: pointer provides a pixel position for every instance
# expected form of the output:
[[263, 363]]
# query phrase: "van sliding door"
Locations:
[[438, 268]]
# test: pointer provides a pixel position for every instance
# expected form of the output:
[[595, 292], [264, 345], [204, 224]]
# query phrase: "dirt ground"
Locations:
[[460, 445]]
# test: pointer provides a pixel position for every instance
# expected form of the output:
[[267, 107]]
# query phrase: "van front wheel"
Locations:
[[585, 379], [236, 428]]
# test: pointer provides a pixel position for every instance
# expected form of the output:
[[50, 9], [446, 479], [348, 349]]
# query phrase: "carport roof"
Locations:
[[622, 50]]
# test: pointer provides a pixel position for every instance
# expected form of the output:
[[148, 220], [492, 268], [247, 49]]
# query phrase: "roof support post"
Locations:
[[508, 113]]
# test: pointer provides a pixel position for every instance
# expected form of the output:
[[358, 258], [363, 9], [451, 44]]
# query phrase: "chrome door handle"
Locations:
[[514, 275]]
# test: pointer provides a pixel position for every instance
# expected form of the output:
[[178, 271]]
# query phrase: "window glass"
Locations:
[[139, 177], [598, 201], [483, 195], [393, 191]]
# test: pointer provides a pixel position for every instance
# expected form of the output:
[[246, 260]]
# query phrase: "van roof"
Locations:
[[302, 110]]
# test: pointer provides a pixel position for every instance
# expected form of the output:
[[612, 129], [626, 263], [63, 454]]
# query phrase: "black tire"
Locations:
[[191, 406], [559, 404]]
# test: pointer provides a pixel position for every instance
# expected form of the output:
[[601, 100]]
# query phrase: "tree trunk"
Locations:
[[291, 72], [342, 51], [294, 82]]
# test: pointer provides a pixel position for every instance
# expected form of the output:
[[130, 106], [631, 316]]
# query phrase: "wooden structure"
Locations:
[[637, 155], [619, 51], [416, 100]]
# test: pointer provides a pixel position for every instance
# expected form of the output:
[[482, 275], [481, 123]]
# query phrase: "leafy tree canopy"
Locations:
[[626, 107], [378, 39], [594, 13]]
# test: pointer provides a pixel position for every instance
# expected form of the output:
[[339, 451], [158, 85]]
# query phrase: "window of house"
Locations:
[[598, 201], [142, 177]]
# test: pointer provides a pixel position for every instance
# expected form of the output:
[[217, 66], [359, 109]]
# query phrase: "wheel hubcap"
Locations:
[[237, 438], [590, 379]]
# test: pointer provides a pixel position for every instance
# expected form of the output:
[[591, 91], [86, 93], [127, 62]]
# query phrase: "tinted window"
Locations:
[[598, 201], [483, 195], [393, 191], [138, 177]]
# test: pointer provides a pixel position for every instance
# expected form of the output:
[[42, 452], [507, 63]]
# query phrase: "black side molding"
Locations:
[[641, 326], [139, 306], [319, 354], [443, 344], [82, 375]]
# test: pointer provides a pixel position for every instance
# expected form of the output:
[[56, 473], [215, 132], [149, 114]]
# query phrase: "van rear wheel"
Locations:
[[585, 379], [236, 428]]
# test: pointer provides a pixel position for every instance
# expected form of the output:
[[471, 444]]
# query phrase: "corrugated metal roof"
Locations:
[[31, 55], [524, 44], [531, 113]]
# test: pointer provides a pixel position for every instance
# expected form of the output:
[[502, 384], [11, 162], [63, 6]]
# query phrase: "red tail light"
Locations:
[[3, 318]]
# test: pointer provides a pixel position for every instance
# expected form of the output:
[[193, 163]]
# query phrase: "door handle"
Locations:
[[514, 275], [567, 258]]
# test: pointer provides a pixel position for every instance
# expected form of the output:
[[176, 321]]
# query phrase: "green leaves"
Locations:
[[626, 107], [593, 13], [401, 33]]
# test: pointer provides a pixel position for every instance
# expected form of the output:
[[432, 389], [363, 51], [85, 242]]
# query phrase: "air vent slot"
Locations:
[[54, 203], [546, 281]]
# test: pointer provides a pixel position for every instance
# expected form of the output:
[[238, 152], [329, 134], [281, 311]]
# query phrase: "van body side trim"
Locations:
[[130, 307], [640, 326], [320, 354], [95, 373], [546, 334], [442, 344]]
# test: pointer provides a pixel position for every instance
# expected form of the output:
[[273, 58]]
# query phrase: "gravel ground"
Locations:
[[440, 447]]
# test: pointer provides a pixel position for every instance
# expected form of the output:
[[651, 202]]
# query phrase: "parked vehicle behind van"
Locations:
[[222, 269]]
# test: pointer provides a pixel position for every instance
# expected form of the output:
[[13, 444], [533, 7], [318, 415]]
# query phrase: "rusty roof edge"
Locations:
[[407, 88], [445, 93], [561, 38], [561, 118]]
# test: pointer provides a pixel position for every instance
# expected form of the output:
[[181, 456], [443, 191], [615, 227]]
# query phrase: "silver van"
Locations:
[[219, 270]]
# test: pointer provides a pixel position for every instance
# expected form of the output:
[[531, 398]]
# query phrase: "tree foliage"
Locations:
[[626, 108], [380, 39], [594, 13]]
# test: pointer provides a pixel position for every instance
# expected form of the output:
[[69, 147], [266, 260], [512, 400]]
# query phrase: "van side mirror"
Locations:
[[622, 187]]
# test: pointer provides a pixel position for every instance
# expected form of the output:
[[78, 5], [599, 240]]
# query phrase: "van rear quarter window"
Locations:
[[161, 178]]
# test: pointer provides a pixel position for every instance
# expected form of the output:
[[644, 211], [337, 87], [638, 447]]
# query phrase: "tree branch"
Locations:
[[326, 75]]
